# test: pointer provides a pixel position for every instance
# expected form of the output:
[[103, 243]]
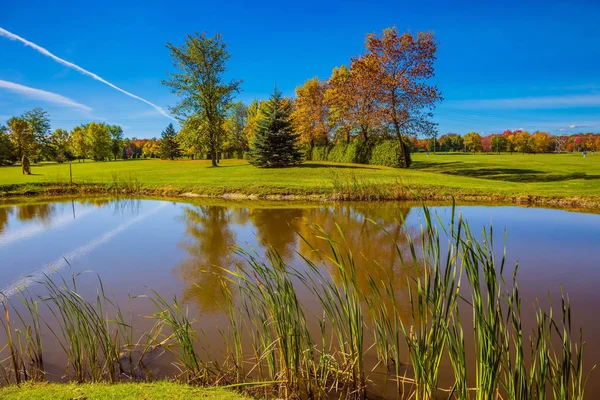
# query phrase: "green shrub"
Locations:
[[356, 151], [385, 153], [319, 153], [337, 153], [362, 152]]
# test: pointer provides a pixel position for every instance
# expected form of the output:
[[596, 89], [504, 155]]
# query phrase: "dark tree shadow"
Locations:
[[320, 165], [519, 175]]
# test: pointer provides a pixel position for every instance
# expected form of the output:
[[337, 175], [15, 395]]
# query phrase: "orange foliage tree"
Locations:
[[405, 64]]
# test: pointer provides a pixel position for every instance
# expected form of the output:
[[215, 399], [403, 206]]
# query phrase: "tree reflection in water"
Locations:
[[5, 212], [212, 241], [374, 233], [210, 248]]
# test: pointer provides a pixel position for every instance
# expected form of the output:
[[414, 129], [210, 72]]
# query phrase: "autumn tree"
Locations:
[[252, 117], [21, 136], [521, 141], [116, 140], [540, 142], [340, 99], [310, 115], [169, 147], [151, 148], [275, 143], [562, 140], [365, 108], [405, 64], [200, 65], [472, 141]]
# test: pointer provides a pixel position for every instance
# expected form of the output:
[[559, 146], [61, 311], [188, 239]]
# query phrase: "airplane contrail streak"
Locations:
[[39, 49]]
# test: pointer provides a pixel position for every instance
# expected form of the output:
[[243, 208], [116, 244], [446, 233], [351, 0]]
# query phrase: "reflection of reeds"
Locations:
[[289, 360]]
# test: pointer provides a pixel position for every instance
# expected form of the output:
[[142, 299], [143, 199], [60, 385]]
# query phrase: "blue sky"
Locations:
[[501, 65]]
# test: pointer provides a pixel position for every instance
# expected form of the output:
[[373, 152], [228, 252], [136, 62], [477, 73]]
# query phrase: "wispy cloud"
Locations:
[[574, 126], [43, 95], [543, 102], [39, 49]]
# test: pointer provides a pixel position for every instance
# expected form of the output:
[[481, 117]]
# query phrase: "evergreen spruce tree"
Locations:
[[275, 143], [169, 147]]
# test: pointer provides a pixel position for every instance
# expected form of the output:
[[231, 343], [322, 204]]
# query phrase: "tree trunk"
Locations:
[[213, 156], [405, 160]]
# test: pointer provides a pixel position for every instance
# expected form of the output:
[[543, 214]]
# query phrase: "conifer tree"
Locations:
[[169, 147], [275, 143]]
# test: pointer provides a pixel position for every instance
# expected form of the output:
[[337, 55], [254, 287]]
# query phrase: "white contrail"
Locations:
[[30, 231], [42, 95], [37, 276], [39, 49]]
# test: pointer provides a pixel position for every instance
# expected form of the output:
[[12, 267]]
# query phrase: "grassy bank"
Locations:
[[122, 391], [560, 180]]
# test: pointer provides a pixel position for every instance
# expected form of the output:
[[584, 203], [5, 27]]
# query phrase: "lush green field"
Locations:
[[567, 179], [123, 391]]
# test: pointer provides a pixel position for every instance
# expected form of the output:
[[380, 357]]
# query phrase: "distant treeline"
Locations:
[[510, 141], [29, 135]]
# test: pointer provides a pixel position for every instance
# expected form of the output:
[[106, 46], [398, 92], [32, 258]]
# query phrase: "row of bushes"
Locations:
[[383, 152]]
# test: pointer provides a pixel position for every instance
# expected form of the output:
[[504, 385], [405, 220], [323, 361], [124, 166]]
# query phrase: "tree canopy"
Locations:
[[200, 64]]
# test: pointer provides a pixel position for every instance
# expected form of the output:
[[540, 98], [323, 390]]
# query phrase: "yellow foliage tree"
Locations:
[[309, 114]]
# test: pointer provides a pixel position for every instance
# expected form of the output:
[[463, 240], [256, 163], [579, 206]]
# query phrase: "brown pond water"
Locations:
[[175, 248]]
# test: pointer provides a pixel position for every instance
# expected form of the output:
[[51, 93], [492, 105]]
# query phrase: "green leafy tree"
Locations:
[[21, 136], [200, 65], [169, 147], [275, 143], [499, 143], [79, 143], [116, 140], [39, 121], [8, 155], [98, 140], [235, 125], [192, 136], [61, 143]]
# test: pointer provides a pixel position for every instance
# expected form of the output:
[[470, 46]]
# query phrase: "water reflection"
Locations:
[[178, 248], [374, 233], [277, 228], [375, 238], [5, 212], [209, 249], [41, 212]]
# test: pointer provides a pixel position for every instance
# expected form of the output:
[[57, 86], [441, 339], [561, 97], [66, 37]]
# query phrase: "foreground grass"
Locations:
[[566, 179], [124, 391]]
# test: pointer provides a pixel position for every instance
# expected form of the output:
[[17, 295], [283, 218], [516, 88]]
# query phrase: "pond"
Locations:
[[177, 248]]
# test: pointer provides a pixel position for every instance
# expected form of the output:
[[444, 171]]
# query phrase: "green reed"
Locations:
[[342, 305], [174, 332], [289, 360], [286, 342]]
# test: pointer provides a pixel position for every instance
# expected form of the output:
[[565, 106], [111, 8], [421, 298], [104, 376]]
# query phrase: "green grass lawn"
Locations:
[[123, 391], [508, 177]]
